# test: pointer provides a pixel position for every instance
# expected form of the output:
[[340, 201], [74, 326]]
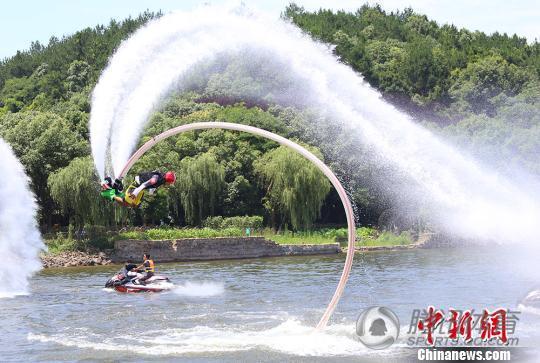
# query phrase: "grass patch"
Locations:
[[321, 236], [365, 237], [59, 245], [178, 233], [300, 238], [94, 240], [385, 239]]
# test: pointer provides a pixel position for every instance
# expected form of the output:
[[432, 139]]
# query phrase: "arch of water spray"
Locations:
[[302, 151]]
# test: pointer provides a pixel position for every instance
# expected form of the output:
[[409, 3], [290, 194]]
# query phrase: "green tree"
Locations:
[[241, 197], [480, 87], [44, 142], [17, 92], [200, 181], [78, 75], [387, 59], [75, 189], [296, 189]]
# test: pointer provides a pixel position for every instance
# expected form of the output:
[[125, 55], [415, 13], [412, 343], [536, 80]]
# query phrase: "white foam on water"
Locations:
[[533, 295], [529, 309], [290, 337], [199, 289], [12, 294], [531, 303], [462, 196], [20, 240]]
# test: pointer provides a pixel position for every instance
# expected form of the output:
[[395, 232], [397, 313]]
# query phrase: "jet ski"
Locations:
[[127, 280]]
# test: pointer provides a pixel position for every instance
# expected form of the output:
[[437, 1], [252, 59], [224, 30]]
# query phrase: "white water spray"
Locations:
[[199, 289], [20, 241], [464, 198], [289, 337]]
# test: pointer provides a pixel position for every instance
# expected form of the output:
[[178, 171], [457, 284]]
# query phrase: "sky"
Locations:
[[24, 21]]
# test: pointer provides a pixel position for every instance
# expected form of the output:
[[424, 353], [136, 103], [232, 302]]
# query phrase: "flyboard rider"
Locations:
[[132, 197]]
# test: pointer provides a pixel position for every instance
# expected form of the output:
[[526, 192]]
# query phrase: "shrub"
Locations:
[[213, 222], [164, 233], [218, 222], [94, 236], [366, 233], [60, 244], [335, 234], [390, 239]]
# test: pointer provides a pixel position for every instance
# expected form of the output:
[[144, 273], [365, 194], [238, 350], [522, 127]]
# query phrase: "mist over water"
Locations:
[[460, 195], [20, 241], [290, 337], [199, 289]]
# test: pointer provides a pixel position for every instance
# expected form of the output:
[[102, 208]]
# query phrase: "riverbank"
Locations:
[[424, 240], [190, 249], [366, 236], [223, 248], [74, 258], [180, 246]]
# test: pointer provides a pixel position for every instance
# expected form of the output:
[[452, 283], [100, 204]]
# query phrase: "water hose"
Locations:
[[302, 151]]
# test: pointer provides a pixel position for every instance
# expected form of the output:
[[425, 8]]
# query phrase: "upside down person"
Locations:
[[144, 181], [113, 191], [151, 181]]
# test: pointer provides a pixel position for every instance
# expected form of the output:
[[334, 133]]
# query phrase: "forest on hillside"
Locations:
[[480, 91]]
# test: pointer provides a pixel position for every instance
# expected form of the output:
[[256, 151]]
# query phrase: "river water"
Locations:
[[256, 309]]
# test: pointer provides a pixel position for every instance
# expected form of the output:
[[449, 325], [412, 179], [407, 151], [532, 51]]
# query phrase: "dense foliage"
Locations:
[[50, 73], [295, 187], [243, 222], [481, 91]]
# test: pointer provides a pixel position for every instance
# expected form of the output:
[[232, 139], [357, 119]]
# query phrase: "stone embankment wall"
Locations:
[[197, 249]]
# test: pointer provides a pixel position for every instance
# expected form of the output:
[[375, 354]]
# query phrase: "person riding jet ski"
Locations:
[[148, 267], [124, 276], [133, 195], [126, 280]]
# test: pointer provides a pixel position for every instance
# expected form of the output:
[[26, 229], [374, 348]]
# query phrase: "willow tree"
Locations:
[[296, 189], [199, 183], [75, 189]]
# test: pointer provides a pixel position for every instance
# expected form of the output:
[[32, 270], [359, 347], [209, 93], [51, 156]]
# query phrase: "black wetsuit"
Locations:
[[146, 176]]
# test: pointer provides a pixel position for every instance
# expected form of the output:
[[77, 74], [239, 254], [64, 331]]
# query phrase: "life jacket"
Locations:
[[150, 267]]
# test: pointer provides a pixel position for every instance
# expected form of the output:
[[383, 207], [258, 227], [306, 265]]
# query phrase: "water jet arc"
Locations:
[[302, 151]]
